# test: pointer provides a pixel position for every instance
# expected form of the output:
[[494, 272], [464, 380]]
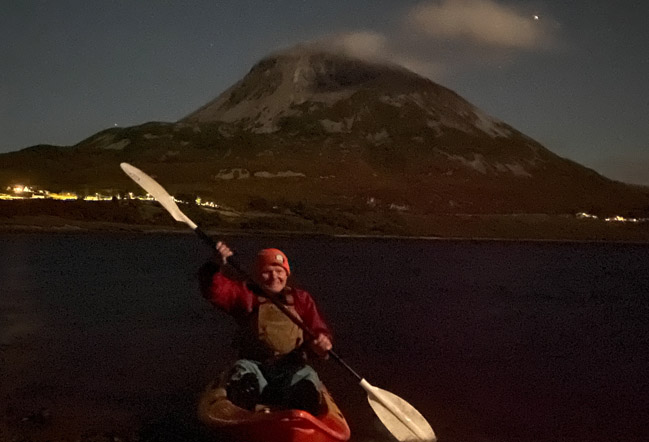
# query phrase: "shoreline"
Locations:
[[49, 224]]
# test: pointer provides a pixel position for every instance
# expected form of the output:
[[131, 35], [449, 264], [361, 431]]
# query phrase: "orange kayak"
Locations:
[[270, 425]]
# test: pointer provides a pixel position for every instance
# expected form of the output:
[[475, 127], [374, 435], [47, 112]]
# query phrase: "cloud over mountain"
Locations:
[[438, 37]]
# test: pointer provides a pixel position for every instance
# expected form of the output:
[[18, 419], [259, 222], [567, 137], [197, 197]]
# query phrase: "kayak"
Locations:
[[269, 425]]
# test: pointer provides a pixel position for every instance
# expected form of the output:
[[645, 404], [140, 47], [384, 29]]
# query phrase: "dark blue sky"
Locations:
[[571, 74]]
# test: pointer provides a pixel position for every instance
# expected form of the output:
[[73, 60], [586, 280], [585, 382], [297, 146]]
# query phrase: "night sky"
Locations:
[[571, 74]]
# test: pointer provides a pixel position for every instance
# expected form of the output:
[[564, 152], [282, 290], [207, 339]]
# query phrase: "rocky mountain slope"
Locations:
[[310, 127]]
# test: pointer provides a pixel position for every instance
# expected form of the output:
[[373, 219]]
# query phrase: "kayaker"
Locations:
[[272, 368]]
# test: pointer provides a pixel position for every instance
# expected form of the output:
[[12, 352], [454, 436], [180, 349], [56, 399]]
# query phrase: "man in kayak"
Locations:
[[272, 348]]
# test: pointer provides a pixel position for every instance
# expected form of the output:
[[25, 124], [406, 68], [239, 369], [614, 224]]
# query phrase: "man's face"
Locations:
[[272, 278]]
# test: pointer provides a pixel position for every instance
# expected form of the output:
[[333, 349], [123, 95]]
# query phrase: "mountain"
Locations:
[[313, 127]]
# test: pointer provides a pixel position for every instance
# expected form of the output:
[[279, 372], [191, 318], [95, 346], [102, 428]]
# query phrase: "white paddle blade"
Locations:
[[158, 192], [399, 417]]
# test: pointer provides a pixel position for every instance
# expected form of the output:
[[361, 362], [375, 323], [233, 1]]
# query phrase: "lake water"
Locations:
[[490, 341]]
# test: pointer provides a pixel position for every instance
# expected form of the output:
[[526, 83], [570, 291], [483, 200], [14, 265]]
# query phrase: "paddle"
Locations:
[[399, 417]]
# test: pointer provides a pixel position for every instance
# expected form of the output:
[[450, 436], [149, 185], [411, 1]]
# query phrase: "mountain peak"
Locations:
[[331, 67], [279, 84]]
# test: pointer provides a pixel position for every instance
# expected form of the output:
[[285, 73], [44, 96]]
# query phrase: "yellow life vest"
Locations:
[[270, 333], [276, 330]]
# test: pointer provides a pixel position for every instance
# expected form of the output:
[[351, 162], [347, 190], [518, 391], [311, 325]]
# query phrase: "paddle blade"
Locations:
[[158, 192], [399, 417]]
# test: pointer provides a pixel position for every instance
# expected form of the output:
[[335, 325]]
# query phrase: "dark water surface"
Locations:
[[491, 341]]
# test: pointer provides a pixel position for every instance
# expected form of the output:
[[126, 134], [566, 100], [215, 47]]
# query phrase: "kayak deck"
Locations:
[[267, 425]]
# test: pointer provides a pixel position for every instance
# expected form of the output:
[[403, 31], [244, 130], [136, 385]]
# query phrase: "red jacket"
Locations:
[[236, 299]]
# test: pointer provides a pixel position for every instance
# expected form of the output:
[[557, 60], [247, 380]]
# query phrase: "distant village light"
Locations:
[[21, 192]]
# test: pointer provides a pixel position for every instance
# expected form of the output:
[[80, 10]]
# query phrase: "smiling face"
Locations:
[[272, 278]]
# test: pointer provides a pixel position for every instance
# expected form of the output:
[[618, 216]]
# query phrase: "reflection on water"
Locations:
[[490, 341]]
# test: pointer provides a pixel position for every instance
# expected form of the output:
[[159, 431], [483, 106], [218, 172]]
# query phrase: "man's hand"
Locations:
[[223, 252], [321, 345]]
